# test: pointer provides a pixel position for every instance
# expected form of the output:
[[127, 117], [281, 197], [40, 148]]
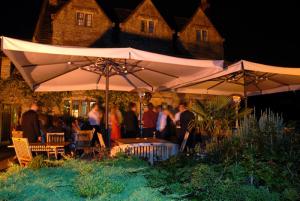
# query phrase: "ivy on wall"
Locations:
[[16, 91]]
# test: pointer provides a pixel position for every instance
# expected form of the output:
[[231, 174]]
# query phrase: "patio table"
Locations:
[[139, 140], [132, 143]]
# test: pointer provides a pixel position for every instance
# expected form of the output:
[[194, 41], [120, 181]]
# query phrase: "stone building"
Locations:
[[183, 30]]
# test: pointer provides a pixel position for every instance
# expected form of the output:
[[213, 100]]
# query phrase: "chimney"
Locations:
[[204, 5]]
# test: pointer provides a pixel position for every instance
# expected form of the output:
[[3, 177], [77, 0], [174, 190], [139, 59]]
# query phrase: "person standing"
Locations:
[[161, 120], [131, 123], [95, 117], [185, 120], [166, 126], [30, 124], [149, 121], [114, 118]]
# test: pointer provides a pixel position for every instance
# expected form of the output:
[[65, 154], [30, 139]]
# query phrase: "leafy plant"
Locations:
[[216, 115]]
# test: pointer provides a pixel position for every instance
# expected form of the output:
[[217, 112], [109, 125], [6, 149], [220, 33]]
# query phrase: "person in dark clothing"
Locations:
[[186, 118], [30, 124], [131, 123], [149, 121]]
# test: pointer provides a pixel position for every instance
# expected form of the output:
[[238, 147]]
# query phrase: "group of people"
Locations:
[[166, 122], [161, 121]]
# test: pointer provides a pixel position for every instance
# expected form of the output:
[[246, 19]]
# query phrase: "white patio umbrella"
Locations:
[[58, 68], [245, 78]]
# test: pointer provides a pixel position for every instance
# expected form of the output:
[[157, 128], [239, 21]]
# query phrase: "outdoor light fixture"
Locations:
[[236, 99], [110, 67]]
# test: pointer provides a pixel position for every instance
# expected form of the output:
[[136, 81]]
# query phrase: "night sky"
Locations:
[[263, 31]]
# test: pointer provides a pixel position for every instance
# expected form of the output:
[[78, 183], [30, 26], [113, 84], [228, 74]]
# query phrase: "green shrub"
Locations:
[[290, 194]]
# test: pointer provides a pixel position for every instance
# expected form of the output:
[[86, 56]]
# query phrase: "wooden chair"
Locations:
[[22, 150], [83, 141], [17, 134], [56, 138]]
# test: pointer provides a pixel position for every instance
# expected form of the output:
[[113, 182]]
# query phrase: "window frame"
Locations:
[[143, 26], [200, 35], [146, 24], [86, 19], [153, 26], [80, 18]]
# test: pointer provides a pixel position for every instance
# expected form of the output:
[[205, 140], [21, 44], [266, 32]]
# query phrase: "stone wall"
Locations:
[[67, 32], [5, 67], [147, 11], [211, 49]]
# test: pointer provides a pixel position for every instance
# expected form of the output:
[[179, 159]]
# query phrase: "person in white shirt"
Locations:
[[95, 118], [161, 120]]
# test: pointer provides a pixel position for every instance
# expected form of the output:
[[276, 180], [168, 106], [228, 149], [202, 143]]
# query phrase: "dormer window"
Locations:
[[201, 35], [150, 26], [88, 20], [143, 25], [84, 19], [80, 19], [147, 26]]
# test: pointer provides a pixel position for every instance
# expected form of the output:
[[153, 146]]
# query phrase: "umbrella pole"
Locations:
[[106, 104], [141, 128]]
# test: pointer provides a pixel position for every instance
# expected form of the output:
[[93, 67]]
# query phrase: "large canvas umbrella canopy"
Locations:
[[58, 68], [246, 78]]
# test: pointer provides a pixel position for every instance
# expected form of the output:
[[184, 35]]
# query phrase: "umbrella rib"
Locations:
[[149, 69], [279, 82], [156, 71], [98, 81], [129, 81], [89, 71], [142, 81], [215, 85], [58, 75], [34, 65]]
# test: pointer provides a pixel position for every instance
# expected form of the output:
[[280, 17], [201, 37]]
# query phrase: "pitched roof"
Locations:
[[43, 30], [177, 13]]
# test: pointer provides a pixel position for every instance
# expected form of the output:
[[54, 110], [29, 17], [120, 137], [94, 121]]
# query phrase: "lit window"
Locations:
[[75, 108], [80, 19], [143, 25], [84, 108], [150, 26], [88, 20], [201, 35]]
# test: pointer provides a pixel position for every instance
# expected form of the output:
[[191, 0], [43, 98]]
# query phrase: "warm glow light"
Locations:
[[236, 99]]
